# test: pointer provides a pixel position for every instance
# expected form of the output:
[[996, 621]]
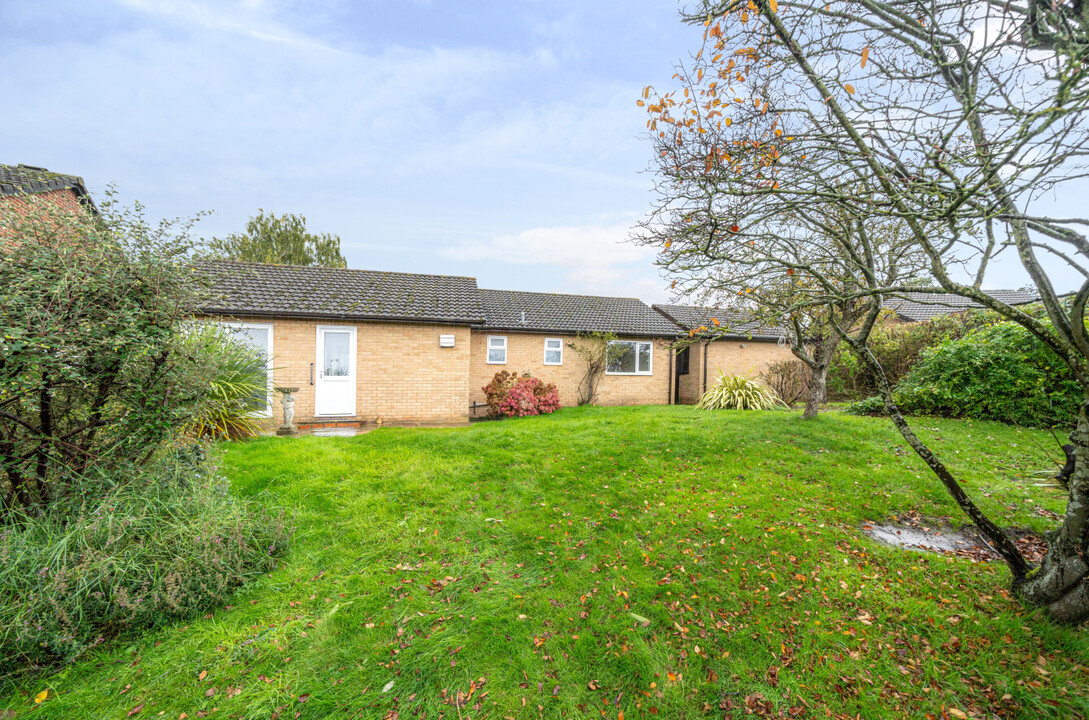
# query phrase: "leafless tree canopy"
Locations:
[[851, 151]]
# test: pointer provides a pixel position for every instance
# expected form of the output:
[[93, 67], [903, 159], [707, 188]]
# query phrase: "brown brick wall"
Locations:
[[23, 204], [66, 199], [525, 351], [402, 375], [728, 357]]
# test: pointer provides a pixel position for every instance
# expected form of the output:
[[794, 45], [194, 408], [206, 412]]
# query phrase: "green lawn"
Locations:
[[643, 561]]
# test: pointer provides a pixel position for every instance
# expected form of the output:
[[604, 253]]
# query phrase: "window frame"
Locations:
[[488, 350], [635, 344], [267, 412], [548, 349]]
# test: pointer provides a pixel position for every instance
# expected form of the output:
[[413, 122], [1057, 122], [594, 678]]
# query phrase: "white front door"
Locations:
[[334, 384]]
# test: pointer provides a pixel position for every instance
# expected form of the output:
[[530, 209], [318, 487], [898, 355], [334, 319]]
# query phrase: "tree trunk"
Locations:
[[1061, 584], [818, 385], [818, 382]]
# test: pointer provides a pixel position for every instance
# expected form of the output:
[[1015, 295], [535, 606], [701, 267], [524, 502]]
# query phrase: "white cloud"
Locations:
[[595, 259]]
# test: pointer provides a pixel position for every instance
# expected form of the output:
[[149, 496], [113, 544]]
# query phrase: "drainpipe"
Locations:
[[669, 378], [705, 344]]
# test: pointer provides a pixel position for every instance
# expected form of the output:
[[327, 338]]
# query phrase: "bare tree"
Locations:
[[949, 119]]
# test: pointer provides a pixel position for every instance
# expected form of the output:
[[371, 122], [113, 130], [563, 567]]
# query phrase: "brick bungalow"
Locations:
[[741, 348], [418, 349]]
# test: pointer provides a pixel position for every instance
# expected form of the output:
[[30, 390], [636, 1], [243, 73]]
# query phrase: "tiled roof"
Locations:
[[919, 307], [554, 312], [732, 323], [22, 179], [293, 291]]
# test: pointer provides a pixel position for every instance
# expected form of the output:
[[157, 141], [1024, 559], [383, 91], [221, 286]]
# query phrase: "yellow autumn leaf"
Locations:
[[728, 122], [41, 696], [773, 5], [640, 103], [668, 243], [849, 88], [865, 55]]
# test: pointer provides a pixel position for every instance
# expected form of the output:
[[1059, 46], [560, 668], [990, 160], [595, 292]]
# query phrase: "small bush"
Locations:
[[872, 405], [513, 395], [156, 548], [737, 392], [998, 373], [237, 383], [789, 379]]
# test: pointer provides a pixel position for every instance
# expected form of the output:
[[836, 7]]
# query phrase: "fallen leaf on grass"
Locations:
[[642, 620], [41, 696], [304, 697], [388, 686], [135, 710]]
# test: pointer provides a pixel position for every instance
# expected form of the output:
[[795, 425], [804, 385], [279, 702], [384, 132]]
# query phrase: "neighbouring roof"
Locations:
[[919, 307], [241, 288], [555, 312], [24, 179], [732, 323]]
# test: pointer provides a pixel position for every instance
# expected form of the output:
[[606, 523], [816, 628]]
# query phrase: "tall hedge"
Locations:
[[1000, 372]]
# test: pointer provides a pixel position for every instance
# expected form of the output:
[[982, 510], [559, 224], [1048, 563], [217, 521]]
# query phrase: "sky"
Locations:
[[499, 140]]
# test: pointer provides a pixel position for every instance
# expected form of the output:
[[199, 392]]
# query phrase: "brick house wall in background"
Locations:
[[525, 351], [402, 375], [728, 357], [65, 199]]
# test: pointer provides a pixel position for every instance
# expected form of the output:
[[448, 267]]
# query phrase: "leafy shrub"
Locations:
[[898, 347], [166, 545], [107, 524], [94, 375], [237, 381], [788, 379], [1001, 372], [737, 392], [872, 405], [513, 395]]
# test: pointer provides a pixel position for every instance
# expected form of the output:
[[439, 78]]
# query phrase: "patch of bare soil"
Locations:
[[913, 532]]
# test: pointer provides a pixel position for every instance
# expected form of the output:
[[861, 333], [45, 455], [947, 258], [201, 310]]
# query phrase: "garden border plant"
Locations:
[[112, 517]]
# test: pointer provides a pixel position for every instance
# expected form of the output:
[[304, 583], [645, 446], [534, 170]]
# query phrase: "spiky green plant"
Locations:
[[237, 384], [737, 392]]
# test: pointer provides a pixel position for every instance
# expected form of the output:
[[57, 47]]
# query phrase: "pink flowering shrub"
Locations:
[[513, 395]]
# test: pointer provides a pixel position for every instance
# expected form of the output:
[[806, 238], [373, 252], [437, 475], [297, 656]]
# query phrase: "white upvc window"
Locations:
[[630, 357], [258, 335], [497, 350], [553, 351]]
